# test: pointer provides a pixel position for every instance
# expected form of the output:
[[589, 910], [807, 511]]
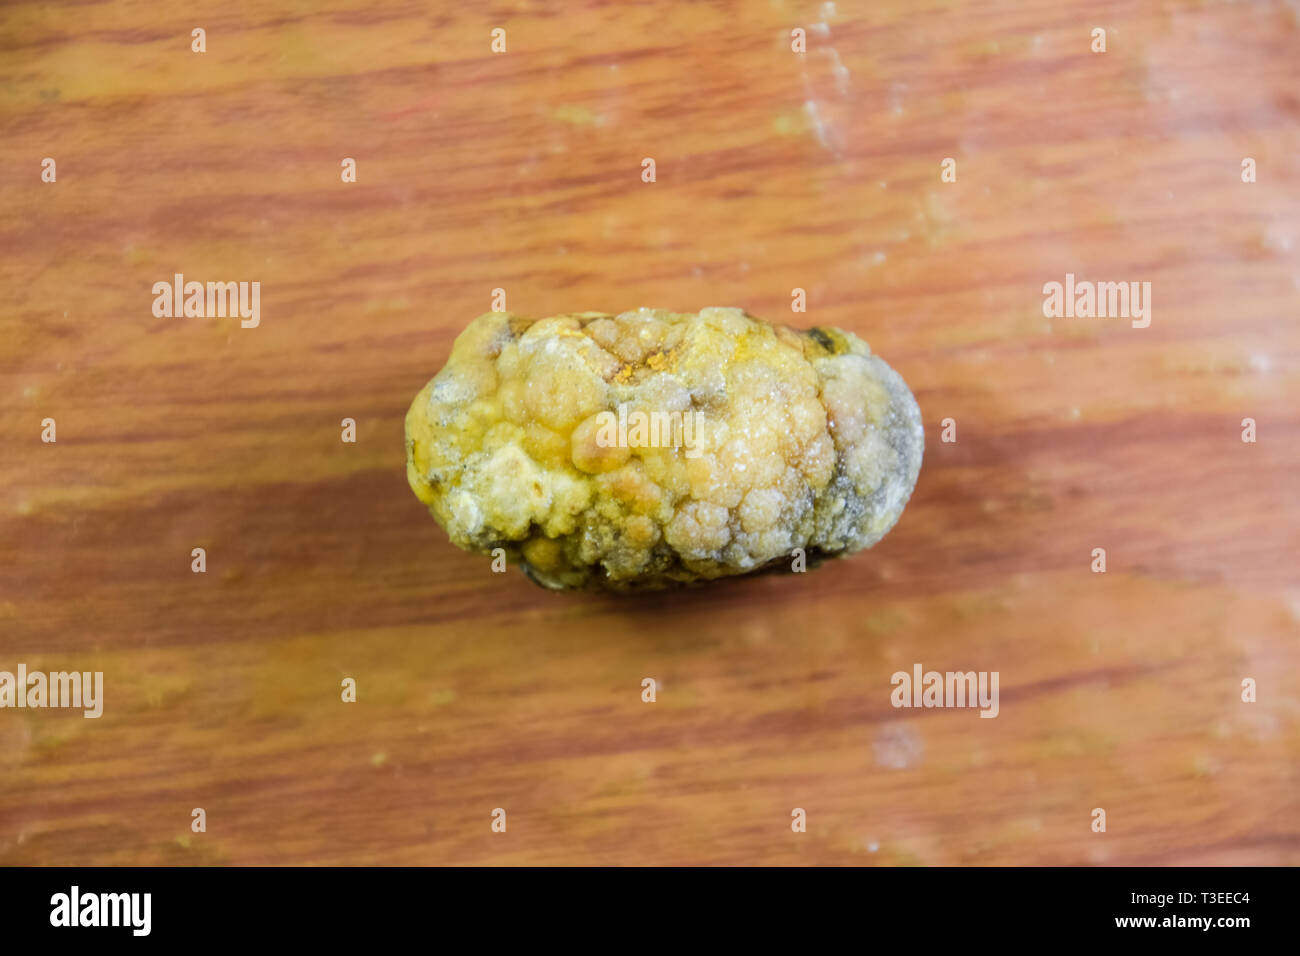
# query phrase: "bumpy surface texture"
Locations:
[[799, 440]]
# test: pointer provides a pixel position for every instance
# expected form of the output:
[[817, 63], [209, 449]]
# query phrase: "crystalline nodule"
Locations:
[[782, 439]]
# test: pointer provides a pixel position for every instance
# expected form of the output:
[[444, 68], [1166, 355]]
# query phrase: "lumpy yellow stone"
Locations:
[[655, 448]]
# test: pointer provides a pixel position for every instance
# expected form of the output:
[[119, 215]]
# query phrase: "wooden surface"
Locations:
[[774, 171]]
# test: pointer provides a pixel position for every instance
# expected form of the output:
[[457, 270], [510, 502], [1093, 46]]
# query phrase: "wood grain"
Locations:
[[774, 171]]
